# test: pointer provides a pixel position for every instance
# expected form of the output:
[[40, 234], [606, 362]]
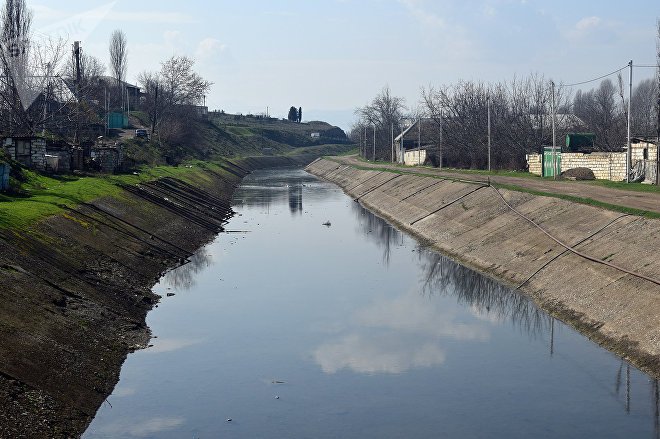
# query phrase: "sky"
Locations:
[[332, 56]]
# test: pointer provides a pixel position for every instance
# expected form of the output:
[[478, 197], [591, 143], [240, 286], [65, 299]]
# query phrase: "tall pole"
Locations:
[[440, 159], [554, 142], [392, 125], [365, 143], [419, 141], [629, 152], [373, 155], [488, 106]]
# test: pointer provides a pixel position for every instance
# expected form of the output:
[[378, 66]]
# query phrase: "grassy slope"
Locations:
[[47, 196], [218, 137]]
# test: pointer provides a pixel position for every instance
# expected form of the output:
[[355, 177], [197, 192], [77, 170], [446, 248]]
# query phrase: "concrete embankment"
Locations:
[[605, 285], [75, 289]]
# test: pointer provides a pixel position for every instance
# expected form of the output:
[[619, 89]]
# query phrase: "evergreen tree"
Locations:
[[293, 114], [299, 114]]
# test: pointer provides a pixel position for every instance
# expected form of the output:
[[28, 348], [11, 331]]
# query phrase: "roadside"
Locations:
[[641, 203]]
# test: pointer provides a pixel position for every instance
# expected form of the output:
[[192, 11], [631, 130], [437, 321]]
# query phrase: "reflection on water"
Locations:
[[296, 329], [441, 275], [183, 278]]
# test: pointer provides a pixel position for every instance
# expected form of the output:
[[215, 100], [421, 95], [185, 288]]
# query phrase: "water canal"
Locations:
[[295, 329]]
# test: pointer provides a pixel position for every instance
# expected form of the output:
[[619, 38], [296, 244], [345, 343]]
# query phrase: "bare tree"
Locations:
[[644, 108], [118, 60], [383, 112], [172, 97], [91, 68], [183, 86], [151, 84]]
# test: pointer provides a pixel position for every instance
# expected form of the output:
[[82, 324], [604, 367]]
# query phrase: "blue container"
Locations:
[[4, 176]]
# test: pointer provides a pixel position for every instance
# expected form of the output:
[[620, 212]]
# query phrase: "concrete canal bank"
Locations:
[[75, 289], [595, 269]]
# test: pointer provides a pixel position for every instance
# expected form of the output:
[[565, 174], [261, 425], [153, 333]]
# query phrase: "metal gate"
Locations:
[[551, 167]]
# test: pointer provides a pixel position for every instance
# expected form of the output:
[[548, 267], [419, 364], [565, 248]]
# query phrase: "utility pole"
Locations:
[[392, 125], [419, 141], [629, 152], [488, 106], [76, 54], [554, 143], [374, 150], [365, 142], [440, 149], [153, 120]]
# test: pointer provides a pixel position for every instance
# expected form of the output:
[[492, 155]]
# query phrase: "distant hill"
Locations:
[[234, 135]]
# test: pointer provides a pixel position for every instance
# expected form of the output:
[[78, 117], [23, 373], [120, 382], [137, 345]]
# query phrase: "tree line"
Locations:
[[456, 118], [47, 88]]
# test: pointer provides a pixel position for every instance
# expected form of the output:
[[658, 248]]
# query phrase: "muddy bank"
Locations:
[[75, 290], [473, 225]]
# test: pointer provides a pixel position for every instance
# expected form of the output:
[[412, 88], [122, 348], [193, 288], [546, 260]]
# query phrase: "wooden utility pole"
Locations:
[[153, 120], [76, 54]]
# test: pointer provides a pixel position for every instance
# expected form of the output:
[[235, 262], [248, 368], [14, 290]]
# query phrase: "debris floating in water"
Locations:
[[228, 419], [327, 223]]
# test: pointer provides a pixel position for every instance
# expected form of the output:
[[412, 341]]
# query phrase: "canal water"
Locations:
[[284, 327]]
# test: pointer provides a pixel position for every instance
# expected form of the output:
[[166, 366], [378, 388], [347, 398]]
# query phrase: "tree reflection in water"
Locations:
[[444, 276], [183, 277]]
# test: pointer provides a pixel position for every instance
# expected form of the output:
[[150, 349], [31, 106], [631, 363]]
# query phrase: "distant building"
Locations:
[[315, 135]]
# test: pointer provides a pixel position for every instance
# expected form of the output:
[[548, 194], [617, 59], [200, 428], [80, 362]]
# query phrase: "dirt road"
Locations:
[[637, 200]]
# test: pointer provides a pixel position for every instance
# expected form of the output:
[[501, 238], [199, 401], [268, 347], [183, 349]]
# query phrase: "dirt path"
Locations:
[[637, 200]]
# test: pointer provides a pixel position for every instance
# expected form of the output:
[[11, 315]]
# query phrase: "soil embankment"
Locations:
[[75, 290], [619, 309]]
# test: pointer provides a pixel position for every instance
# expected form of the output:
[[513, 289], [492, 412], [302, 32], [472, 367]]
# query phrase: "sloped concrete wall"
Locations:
[[473, 225]]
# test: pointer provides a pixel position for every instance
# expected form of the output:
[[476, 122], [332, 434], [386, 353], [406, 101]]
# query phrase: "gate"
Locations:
[[550, 167]]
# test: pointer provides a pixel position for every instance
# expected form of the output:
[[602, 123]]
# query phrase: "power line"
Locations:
[[596, 79], [654, 66]]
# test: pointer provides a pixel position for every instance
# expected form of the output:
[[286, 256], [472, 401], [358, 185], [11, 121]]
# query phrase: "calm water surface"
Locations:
[[293, 329]]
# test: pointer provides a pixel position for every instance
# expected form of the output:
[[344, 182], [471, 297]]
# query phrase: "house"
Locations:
[[107, 158], [30, 151], [410, 147], [604, 165]]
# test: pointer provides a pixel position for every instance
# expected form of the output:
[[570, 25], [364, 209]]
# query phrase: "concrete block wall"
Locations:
[[535, 163], [605, 165], [38, 154], [412, 158]]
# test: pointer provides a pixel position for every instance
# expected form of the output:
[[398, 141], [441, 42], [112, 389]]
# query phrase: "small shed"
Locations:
[[30, 151]]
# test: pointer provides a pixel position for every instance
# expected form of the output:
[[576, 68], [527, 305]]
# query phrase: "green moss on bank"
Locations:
[[44, 196]]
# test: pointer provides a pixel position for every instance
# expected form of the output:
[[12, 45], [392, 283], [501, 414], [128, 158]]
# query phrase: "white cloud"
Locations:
[[209, 47], [395, 335], [421, 14], [364, 354], [587, 23], [147, 428], [162, 345]]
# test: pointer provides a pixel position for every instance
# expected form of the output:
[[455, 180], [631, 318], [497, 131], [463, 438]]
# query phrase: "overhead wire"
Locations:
[[596, 79]]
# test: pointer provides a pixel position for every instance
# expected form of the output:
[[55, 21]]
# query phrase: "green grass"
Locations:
[[572, 198], [48, 196], [583, 200], [637, 187]]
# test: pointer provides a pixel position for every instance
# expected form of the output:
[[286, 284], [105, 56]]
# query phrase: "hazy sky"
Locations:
[[331, 56]]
